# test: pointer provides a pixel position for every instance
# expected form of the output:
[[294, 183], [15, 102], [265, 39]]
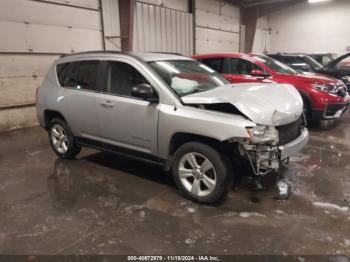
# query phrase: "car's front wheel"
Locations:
[[202, 173], [62, 140]]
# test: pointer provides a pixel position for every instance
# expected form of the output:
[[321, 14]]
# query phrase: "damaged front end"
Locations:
[[268, 147], [261, 149], [276, 113]]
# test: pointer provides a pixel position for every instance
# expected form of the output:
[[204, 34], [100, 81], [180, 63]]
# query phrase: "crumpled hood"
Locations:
[[264, 104]]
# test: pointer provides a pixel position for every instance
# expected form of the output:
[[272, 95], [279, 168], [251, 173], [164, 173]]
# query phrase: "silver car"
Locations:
[[170, 111]]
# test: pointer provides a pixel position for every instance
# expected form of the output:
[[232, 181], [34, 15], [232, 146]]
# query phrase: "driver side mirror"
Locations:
[[145, 92], [259, 73]]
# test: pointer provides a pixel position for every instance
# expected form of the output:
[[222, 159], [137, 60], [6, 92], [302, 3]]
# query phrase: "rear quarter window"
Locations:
[[67, 74], [80, 75], [60, 68]]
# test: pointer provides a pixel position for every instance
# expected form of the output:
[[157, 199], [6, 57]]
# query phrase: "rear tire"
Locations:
[[201, 173], [62, 140]]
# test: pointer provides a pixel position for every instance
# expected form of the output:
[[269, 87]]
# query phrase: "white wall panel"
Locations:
[[217, 26], [18, 90], [33, 12], [214, 21], [20, 75], [24, 65], [111, 24], [215, 41], [230, 10], [83, 3], [305, 27], [262, 37], [45, 38], [218, 7], [160, 29], [19, 118], [28, 28], [45, 27]]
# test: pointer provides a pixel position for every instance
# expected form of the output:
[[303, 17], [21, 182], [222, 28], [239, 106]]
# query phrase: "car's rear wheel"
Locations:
[[62, 140], [202, 173]]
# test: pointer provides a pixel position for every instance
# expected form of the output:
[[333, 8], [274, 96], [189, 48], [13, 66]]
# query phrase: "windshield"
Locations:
[[187, 76], [275, 65], [344, 64], [313, 63], [323, 59]]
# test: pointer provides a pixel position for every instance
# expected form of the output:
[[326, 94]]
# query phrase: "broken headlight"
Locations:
[[262, 134]]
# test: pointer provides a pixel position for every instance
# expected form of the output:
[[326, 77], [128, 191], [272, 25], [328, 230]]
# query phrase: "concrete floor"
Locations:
[[103, 204]]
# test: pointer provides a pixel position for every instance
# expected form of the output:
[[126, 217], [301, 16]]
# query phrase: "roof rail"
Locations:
[[166, 53], [94, 52]]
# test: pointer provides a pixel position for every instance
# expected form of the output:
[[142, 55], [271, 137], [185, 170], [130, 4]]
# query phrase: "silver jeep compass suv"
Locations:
[[171, 111]]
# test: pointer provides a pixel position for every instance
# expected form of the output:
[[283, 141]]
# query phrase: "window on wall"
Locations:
[[216, 63], [122, 77], [240, 66], [87, 77]]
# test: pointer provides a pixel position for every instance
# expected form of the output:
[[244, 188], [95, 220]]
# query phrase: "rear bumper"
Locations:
[[332, 111], [295, 146], [40, 115]]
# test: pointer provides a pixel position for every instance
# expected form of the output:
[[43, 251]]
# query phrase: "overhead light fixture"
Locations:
[[318, 1]]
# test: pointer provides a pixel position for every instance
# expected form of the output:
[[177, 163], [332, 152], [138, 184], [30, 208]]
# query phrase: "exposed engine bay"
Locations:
[[262, 149]]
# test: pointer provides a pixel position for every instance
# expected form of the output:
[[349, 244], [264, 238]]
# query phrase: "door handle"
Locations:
[[107, 104]]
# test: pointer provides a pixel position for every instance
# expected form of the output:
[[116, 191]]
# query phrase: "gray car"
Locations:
[[170, 111]]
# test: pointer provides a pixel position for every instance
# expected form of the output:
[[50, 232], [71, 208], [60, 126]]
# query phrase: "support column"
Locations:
[[126, 16], [250, 20]]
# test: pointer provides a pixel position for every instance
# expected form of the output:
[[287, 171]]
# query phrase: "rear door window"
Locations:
[[87, 76], [216, 63], [240, 66]]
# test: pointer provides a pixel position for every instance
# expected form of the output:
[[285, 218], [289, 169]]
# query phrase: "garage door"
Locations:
[[161, 29], [217, 27], [33, 34]]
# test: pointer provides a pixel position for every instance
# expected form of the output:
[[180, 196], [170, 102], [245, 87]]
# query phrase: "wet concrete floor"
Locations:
[[103, 204]]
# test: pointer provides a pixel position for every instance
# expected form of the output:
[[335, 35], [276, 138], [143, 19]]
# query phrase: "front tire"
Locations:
[[62, 140], [201, 173]]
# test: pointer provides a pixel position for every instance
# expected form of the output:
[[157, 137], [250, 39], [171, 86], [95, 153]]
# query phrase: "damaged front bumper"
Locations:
[[295, 146], [266, 158]]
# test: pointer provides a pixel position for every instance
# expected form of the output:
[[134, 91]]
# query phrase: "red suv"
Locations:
[[324, 97]]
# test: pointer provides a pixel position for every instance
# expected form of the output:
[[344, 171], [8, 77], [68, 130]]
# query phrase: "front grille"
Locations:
[[332, 109], [290, 132]]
